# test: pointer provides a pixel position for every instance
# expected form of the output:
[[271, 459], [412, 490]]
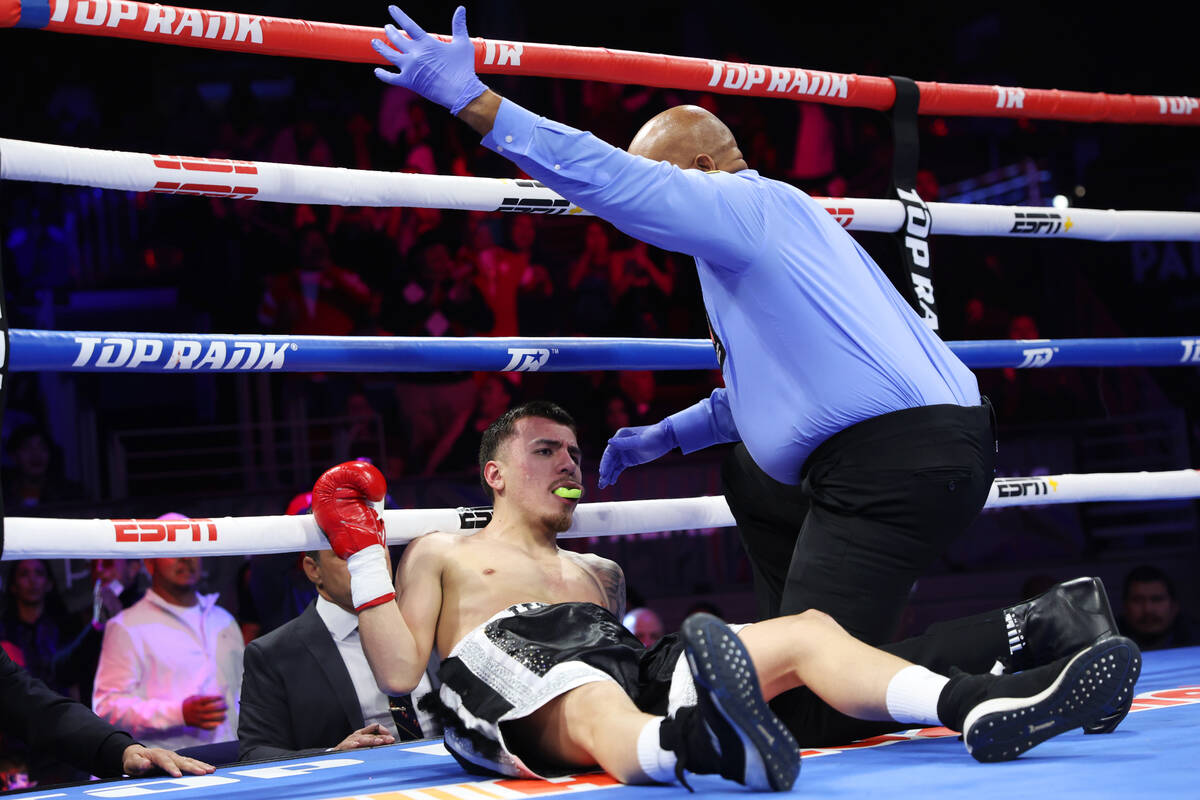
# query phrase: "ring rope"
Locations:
[[252, 33], [35, 537], [101, 351], [294, 183], [220, 30]]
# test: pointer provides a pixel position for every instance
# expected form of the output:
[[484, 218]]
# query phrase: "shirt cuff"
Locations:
[[512, 131], [110, 758], [693, 427]]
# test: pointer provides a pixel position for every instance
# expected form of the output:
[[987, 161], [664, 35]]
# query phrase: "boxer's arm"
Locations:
[[609, 577], [398, 637], [344, 506]]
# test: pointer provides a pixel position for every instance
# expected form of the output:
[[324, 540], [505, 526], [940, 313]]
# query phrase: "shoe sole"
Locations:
[[1109, 724], [1095, 684], [733, 706], [1075, 592]]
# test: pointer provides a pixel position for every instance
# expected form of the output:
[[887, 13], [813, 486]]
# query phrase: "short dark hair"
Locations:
[[1147, 573], [505, 427]]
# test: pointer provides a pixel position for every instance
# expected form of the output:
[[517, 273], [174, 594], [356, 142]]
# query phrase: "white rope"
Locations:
[[293, 183], [29, 537]]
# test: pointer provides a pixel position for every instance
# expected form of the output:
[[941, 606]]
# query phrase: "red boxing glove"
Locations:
[[342, 503]]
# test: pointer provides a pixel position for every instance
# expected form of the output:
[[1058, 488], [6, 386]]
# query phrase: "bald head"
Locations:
[[690, 138]]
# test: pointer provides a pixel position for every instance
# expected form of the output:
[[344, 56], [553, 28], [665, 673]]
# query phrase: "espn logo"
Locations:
[[535, 205], [473, 518], [158, 530], [844, 216], [1047, 222], [1025, 487], [180, 183]]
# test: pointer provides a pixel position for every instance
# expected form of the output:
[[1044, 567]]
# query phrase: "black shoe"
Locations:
[[733, 731], [1002, 716], [1058, 622]]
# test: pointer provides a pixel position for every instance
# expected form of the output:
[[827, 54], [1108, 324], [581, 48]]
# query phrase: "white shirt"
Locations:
[[343, 627], [155, 655]]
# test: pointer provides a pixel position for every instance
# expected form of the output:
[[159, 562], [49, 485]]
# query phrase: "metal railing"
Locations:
[[247, 456]]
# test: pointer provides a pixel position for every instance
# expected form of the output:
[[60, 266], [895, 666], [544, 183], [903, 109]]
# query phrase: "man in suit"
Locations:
[[306, 685], [47, 721]]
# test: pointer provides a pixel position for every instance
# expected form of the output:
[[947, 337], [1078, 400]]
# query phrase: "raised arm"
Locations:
[[345, 500], [716, 215], [398, 637]]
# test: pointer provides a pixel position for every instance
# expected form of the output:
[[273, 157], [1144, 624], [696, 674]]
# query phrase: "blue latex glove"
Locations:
[[632, 446], [443, 72]]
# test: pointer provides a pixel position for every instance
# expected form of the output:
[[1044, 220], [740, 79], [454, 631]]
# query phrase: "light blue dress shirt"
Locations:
[[815, 336]]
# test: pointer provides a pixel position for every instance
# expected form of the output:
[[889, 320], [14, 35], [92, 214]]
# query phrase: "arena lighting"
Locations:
[[1060, 201]]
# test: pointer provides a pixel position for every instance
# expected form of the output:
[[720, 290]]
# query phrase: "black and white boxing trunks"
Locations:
[[529, 654]]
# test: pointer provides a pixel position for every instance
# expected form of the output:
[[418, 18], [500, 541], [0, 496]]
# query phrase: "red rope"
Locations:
[[251, 33]]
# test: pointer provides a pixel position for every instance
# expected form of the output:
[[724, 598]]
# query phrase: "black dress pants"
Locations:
[[878, 503]]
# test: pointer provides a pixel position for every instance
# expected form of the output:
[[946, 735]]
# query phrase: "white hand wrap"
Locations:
[[370, 584]]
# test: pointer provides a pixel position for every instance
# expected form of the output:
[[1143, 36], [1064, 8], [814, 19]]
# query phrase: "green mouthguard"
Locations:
[[573, 494]]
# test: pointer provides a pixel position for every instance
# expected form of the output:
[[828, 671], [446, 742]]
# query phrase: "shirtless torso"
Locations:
[[448, 584], [484, 574]]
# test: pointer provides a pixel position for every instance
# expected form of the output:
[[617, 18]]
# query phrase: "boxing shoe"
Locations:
[[1002, 716], [731, 731], [1062, 620]]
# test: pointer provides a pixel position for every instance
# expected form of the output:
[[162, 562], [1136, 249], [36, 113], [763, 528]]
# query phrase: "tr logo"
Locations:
[[1009, 97], [1036, 357], [526, 359], [502, 53], [1191, 351]]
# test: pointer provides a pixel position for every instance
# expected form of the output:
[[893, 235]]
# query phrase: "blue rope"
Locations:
[[97, 351]]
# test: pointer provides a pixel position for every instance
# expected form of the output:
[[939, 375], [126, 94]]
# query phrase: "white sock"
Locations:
[[657, 763], [912, 695]]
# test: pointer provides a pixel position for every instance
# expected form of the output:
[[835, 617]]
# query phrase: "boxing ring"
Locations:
[[1153, 750]]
